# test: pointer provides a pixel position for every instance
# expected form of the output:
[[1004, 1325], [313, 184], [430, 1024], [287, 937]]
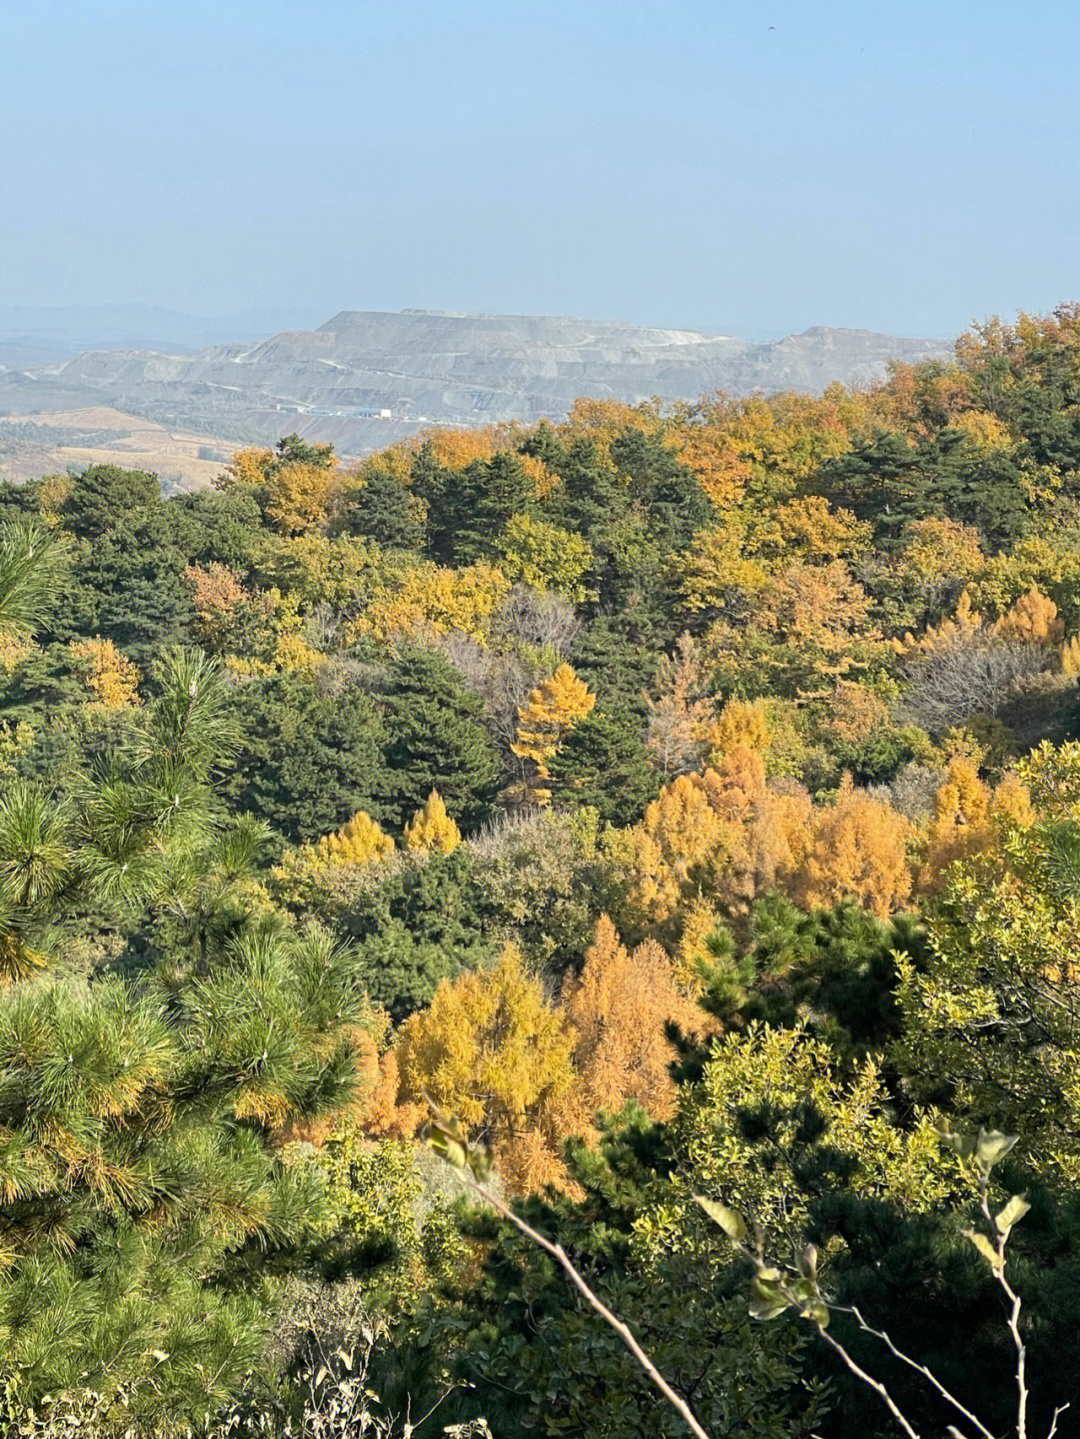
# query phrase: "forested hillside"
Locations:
[[681, 803]]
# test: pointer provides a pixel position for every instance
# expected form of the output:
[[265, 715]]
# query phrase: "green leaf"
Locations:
[[729, 1220], [1013, 1212], [480, 1161], [766, 1299], [962, 1144], [985, 1248], [765, 1309], [806, 1262], [991, 1146], [447, 1147], [455, 1153]]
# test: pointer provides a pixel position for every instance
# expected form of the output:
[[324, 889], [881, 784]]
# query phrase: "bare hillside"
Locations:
[[363, 379]]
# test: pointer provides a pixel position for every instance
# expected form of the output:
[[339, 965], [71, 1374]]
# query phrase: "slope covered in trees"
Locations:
[[684, 799]]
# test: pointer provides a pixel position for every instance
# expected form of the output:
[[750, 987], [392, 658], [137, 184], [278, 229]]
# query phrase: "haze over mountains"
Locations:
[[44, 334], [363, 379]]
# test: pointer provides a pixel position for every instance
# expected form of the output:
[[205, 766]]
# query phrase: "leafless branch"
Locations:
[[558, 1253], [922, 1369]]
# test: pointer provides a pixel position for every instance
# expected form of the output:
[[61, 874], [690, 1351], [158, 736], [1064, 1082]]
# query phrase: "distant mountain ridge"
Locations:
[[364, 378]]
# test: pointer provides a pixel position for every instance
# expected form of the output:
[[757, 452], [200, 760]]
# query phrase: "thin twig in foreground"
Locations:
[[558, 1253], [924, 1370]]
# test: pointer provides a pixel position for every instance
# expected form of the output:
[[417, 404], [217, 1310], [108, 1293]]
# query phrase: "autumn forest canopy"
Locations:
[[667, 818]]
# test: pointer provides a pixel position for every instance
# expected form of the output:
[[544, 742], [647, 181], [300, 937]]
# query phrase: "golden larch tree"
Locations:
[[616, 1011], [735, 783], [547, 716], [857, 851], [360, 841], [432, 828], [963, 627], [741, 724], [1033, 618], [777, 839], [491, 1050], [675, 848], [110, 677], [964, 821]]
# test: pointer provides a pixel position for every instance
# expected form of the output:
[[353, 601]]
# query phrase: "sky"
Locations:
[[740, 168]]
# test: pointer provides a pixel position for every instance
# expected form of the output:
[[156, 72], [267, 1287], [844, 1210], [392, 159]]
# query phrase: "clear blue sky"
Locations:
[[901, 166]]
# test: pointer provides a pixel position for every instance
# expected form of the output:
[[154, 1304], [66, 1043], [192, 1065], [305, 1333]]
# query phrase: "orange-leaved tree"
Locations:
[[617, 1011]]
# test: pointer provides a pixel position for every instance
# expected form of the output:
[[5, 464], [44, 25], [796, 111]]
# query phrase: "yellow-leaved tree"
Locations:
[[431, 599], [941, 552], [545, 556], [715, 463], [491, 1050], [216, 593], [298, 495], [110, 677], [617, 1010], [675, 849], [857, 850], [741, 724], [547, 716], [1033, 618], [811, 530], [964, 821], [432, 828], [714, 573], [358, 843]]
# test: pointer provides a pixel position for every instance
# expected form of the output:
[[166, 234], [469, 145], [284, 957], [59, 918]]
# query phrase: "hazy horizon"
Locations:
[[23, 319], [677, 163]]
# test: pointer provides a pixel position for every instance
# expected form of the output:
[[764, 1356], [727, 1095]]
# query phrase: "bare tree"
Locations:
[[911, 791], [974, 674], [501, 680], [677, 718], [535, 618]]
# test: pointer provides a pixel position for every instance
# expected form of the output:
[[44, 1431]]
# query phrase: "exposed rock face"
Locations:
[[423, 366]]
